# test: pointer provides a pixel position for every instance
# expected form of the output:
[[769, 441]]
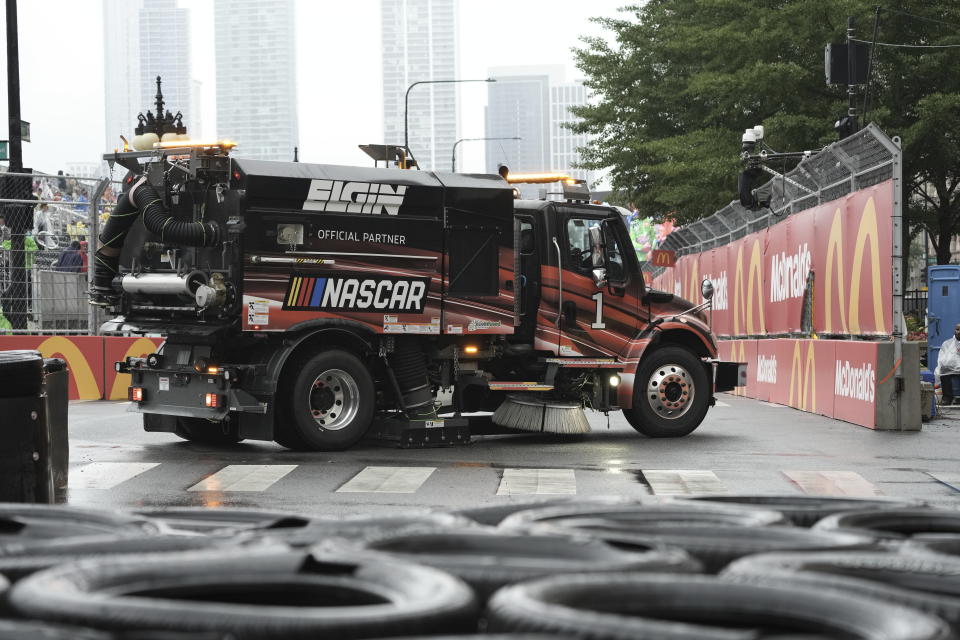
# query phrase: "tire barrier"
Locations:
[[567, 568], [802, 510], [263, 594], [927, 583], [894, 523], [466, 553], [631, 607], [26, 525]]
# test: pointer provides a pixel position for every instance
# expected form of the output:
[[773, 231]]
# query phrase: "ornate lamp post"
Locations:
[[165, 127]]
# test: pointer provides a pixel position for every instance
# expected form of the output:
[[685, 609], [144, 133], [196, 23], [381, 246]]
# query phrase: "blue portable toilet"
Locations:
[[943, 308]]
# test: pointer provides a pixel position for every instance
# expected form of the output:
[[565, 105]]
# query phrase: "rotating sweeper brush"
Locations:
[[530, 413]]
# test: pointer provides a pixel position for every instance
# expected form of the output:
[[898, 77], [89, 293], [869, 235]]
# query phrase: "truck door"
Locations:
[[600, 294]]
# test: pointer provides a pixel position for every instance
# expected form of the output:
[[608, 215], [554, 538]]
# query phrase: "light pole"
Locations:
[[453, 159], [406, 106]]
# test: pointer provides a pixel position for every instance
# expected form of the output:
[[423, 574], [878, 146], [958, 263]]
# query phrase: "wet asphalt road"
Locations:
[[744, 446]]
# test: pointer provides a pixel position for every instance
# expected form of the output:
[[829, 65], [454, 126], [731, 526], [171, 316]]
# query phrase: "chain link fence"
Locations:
[[862, 160], [48, 228]]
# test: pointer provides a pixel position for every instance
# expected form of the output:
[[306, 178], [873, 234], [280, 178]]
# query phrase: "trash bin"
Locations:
[[56, 391], [26, 471]]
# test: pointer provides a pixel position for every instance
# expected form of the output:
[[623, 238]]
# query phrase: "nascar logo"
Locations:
[[356, 293], [354, 197]]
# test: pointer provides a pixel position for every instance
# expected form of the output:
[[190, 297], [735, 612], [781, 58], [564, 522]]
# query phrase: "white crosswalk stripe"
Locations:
[[387, 480], [517, 482], [673, 482], [833, 483], [106, 475], [244, 477], [721, 403]]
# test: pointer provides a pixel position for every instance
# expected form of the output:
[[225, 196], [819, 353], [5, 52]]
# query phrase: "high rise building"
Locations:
[[144, 39], [256, 77], [564, 142], [533, 103], [420, 43]]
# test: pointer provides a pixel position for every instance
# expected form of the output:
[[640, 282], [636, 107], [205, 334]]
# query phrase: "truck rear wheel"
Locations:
[[206, 431], [671, 394], [330, 404]]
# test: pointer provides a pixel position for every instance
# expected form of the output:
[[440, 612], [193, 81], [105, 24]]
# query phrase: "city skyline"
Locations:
[[338, 76]]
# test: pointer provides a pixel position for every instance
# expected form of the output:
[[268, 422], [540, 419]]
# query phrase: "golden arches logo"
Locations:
[[803, 377], [694, 279], [87, 387], [867, 232], [142, 347], [742, 307]]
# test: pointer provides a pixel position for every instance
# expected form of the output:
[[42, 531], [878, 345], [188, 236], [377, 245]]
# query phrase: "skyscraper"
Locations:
[[533, 103], [256, 77], [144, 39], [420, 43]]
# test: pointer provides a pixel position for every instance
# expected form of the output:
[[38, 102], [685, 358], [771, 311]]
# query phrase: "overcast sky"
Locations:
[[338, 49]]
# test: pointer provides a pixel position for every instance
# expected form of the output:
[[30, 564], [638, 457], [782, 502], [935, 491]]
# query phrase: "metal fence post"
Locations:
[[92, 310]]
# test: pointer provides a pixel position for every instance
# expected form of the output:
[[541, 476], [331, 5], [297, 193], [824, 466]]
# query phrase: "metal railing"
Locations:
[[862, 160], [47, 242]]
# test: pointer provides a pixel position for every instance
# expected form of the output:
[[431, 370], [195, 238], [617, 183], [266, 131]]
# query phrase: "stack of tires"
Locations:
[[33, 433], [737, 567]]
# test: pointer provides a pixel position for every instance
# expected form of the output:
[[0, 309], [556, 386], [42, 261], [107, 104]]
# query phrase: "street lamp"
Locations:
[[453, 159], [158, 128], [406, 105]]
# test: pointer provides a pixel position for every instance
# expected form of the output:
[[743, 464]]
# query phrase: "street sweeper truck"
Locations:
[[315, 305]]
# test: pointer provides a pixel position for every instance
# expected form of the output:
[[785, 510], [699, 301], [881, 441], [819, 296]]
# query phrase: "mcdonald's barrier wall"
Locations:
[[846, 244], [851, 380], [89, 360]]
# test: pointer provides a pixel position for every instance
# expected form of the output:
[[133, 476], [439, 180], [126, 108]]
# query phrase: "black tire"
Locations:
[[493, 515], [26, 630], [946, 544], [222, 521], [715, 536], [894, 524], [17, 563], [24, 525], [488, 559], [803, 511], [203, 431], [682, 383], [21, 373], [363, 528], [928, 583], [271, 593], [335, 427], [639, 607]]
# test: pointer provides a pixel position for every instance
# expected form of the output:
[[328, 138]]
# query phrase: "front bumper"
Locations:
[[728, 375]]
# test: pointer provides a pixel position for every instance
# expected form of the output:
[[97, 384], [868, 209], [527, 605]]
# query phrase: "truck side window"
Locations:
[[593, 245]]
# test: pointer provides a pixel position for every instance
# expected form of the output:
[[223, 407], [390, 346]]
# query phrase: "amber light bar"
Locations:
[[539, 178], [190, 144]]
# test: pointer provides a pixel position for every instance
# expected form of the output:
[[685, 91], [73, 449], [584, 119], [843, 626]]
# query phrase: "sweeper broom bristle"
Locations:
[[530, 413]]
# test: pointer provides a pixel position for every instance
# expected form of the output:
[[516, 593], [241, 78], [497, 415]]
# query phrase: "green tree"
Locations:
[[677, 81]]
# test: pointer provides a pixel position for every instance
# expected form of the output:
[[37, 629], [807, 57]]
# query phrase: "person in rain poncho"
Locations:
[[948, 365]]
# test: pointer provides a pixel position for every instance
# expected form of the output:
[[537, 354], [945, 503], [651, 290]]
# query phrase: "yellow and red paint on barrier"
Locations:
[[837, 255], [90, 360], [834, 378]]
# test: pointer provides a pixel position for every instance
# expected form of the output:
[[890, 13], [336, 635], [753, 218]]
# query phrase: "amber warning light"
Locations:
[[135, 394]]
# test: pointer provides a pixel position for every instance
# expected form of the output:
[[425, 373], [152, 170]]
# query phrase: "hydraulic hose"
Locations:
[[159, 221], [107, 258]]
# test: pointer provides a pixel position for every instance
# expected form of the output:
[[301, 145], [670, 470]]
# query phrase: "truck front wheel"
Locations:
[[330, 404], [671, 394]]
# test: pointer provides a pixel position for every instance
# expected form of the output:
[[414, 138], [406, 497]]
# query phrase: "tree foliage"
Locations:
[[677, 81]]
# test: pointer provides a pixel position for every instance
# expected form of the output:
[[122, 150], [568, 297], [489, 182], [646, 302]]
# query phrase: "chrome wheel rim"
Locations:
[[670, 391], [334, 400]]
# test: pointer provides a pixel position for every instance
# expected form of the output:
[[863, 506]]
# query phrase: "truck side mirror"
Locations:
[[600, 277]]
